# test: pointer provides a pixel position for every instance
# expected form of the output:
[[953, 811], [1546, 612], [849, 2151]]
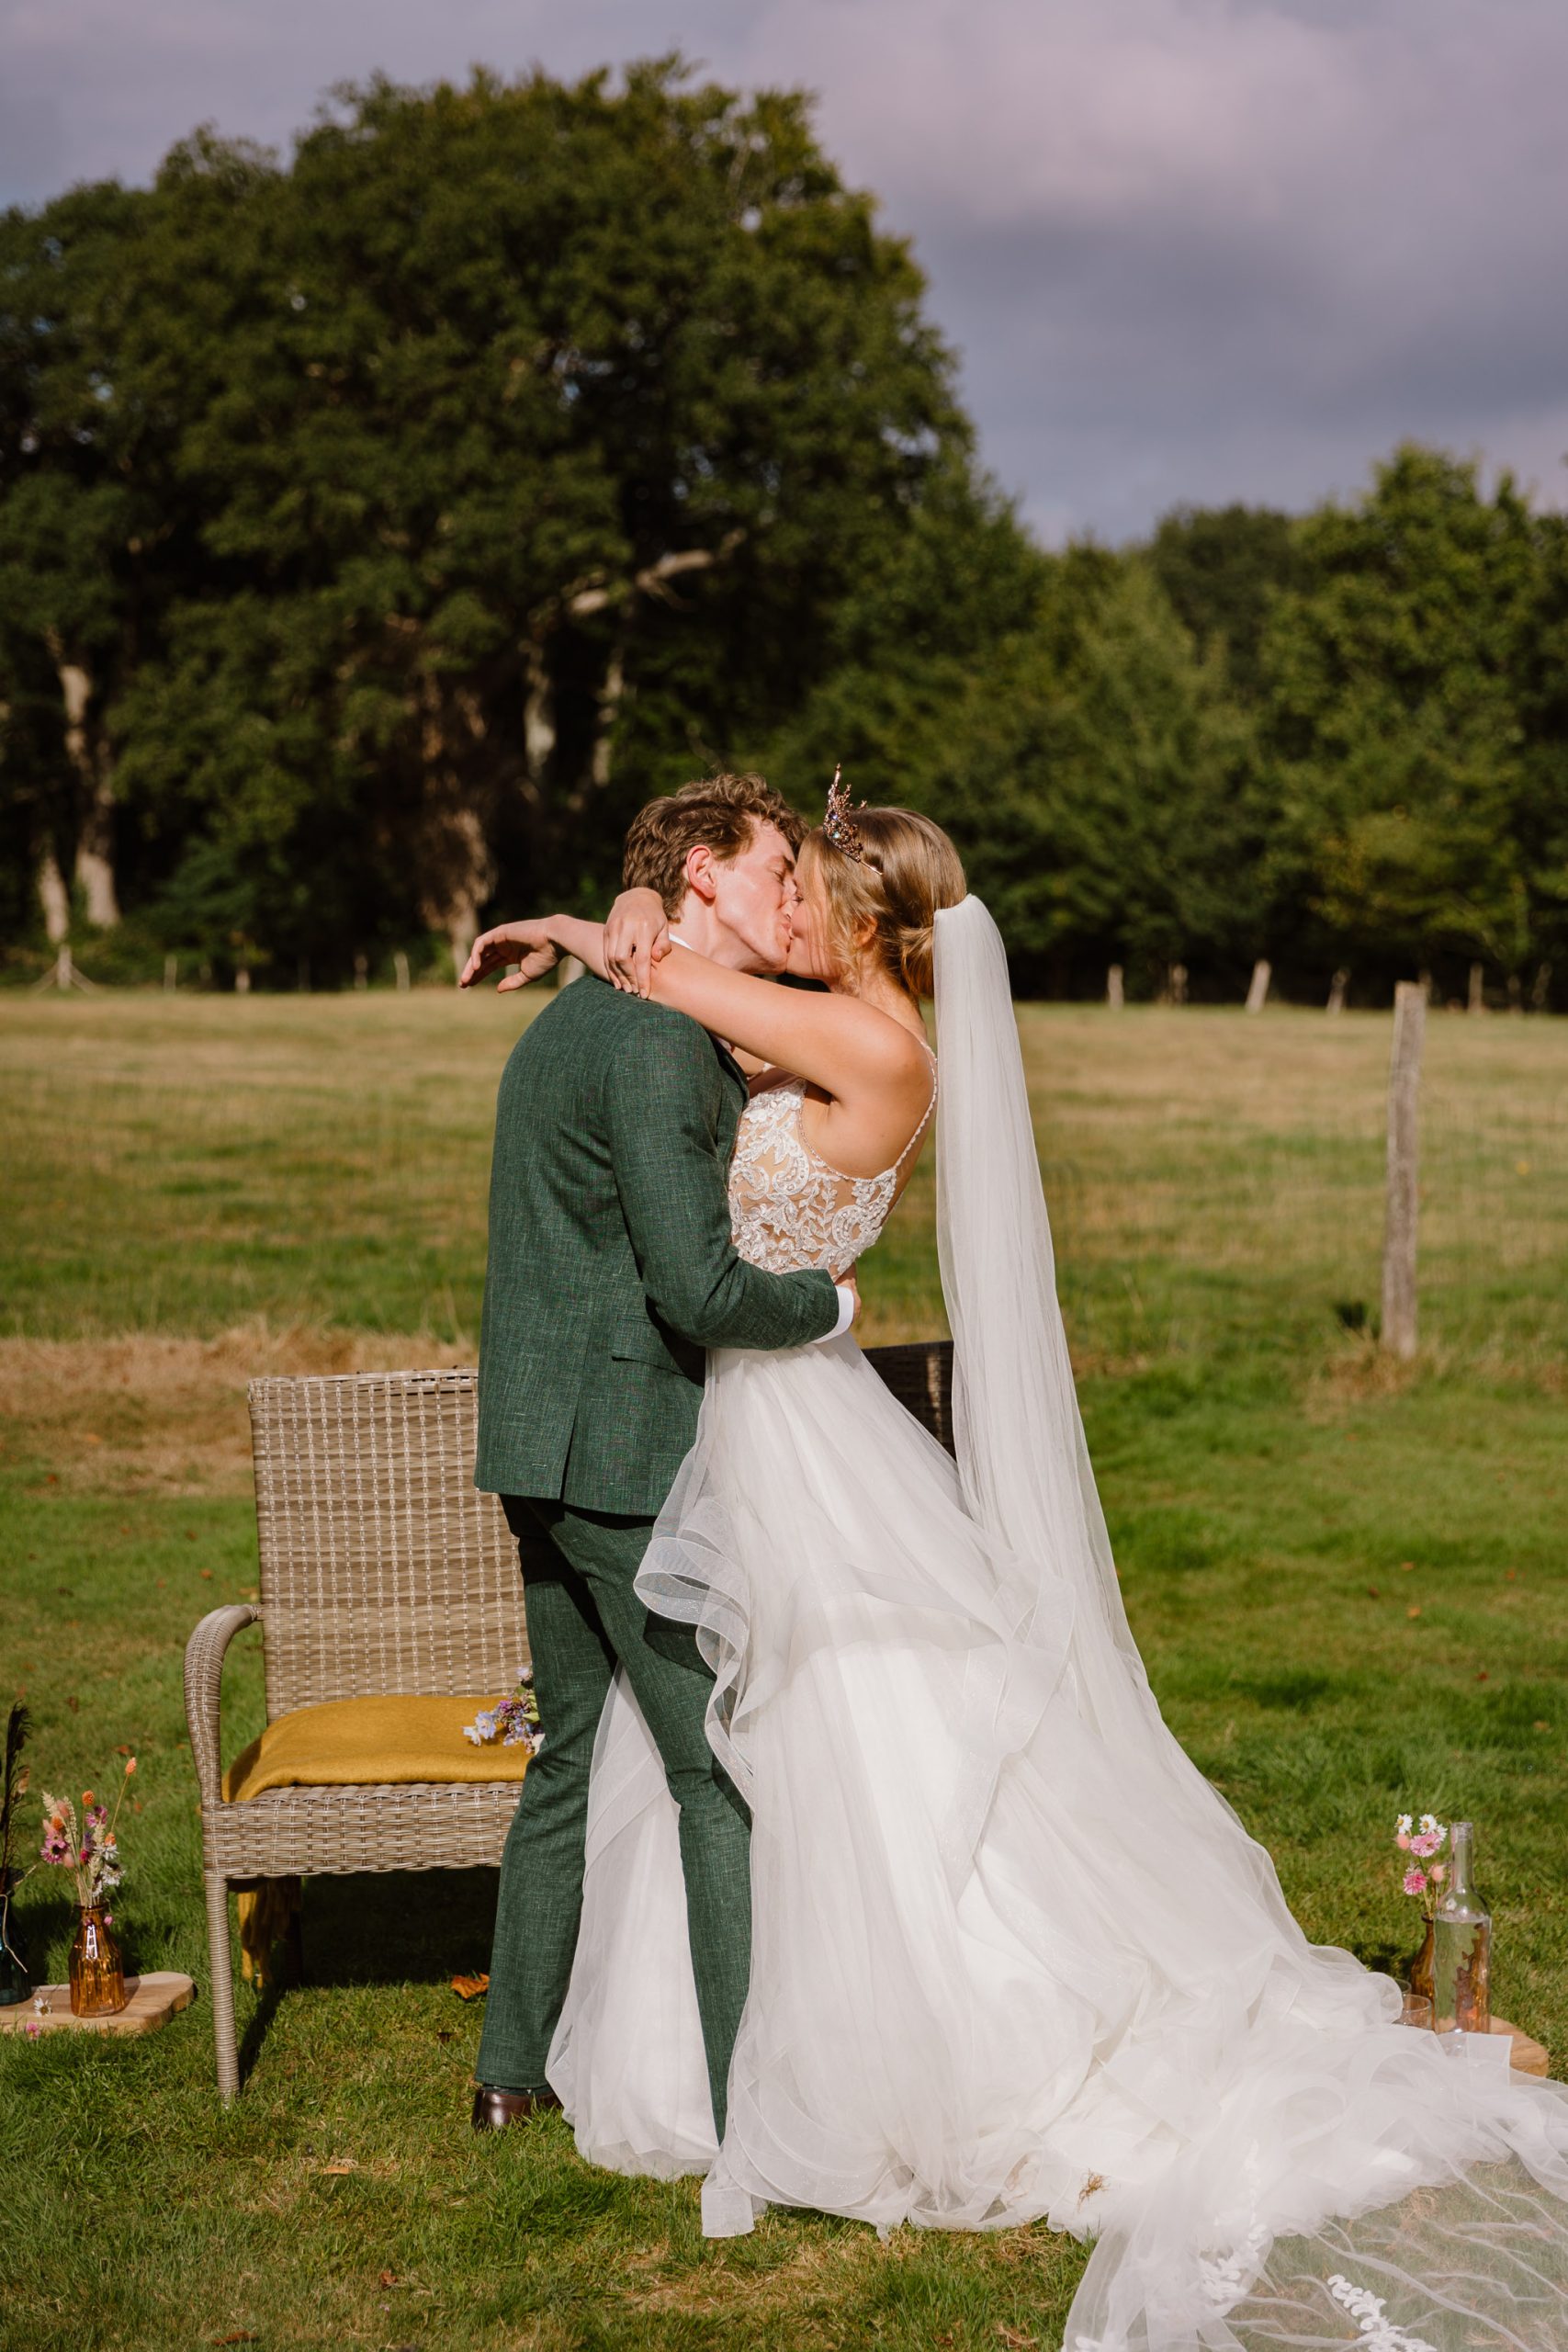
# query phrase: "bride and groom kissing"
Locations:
[[858, 1869]]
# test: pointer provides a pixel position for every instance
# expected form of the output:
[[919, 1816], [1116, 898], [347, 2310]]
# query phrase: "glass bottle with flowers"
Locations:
[[1423, 1880], [91, 1852]]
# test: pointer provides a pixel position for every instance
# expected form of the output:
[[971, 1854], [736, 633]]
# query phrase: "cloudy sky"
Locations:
[[1187, 249]]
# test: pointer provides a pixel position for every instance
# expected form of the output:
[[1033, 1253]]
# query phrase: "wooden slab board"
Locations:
[[154, 1999], [1526, 2057]]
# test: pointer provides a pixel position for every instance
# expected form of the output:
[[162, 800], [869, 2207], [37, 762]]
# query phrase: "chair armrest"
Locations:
[[204, 1687]]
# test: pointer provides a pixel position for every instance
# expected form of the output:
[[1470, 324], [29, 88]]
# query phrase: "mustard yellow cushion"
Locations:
[[346, 1742]]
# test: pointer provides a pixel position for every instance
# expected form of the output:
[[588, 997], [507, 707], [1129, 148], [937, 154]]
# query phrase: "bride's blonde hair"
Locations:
[[908, 870]]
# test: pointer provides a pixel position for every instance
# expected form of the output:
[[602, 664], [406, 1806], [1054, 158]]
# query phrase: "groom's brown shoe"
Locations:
[[495, 2108]]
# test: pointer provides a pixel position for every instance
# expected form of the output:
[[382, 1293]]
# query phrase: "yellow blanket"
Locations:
[[348, 1741], [345, 1743]]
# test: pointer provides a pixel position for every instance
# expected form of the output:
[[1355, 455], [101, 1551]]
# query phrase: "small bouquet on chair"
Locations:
[[515, 1721]]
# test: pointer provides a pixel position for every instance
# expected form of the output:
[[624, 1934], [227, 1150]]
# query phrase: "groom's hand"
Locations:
[[523, 944]]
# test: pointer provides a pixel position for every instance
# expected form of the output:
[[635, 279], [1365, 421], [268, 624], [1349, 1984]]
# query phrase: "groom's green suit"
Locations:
[[611, 1269]]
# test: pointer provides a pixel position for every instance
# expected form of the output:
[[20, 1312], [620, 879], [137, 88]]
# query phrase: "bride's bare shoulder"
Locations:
[[889, 1044]]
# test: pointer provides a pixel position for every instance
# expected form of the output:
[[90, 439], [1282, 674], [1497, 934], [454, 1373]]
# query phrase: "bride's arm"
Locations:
[[837, 1044]]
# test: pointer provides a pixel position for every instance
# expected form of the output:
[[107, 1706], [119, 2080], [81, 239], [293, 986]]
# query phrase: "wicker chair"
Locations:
[[382, 1570]]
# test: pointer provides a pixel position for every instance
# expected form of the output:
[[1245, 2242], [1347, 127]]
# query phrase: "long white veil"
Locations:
[[1302, 2116], [1019, 1440]]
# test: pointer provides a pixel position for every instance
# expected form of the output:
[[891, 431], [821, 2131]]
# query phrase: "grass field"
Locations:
[[1349, 1588]]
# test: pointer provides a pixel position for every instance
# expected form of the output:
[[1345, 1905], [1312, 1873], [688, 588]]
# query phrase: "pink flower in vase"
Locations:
[[1414, 1881]]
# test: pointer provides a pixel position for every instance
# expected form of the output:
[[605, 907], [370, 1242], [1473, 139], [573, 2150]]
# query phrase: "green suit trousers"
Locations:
[[584, 1618]]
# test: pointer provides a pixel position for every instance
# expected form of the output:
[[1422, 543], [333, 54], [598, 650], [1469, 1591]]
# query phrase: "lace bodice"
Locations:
[[787, 1207]]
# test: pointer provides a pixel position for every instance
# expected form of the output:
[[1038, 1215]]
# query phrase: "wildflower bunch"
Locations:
[[89, 1849], [1423, 1875], [515, 1721]]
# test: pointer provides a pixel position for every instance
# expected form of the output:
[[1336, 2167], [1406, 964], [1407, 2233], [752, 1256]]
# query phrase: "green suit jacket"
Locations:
[[610, 1266]]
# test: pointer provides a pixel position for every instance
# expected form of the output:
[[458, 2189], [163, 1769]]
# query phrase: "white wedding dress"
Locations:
[[1012, 1956]]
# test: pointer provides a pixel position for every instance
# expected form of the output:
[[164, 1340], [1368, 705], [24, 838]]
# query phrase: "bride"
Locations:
[[1013, 1957]]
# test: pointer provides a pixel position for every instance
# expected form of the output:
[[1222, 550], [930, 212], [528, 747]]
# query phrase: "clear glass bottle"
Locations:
[[1461, 1951]]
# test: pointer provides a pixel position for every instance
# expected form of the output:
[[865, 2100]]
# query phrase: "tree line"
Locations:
[[380, 527]]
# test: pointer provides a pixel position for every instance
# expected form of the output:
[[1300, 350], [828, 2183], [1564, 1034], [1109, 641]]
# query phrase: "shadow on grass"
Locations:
[[1384, 1959], [390, 1927], [43, 1925], [399, 1927]]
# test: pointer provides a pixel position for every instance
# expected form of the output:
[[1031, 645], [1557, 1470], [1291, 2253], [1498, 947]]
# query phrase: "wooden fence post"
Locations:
[[1477, 988], [1178, 984], [400, 965], [1115, 996], [362, 971], [1403, 1141], [1257, 994], [171, 971], [63, 974], [1337, 988]]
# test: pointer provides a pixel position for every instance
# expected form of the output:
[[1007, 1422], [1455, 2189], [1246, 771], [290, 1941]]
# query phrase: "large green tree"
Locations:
[[1103, 782], [378, 527], [1411, 724], [1222, 568], [1056, 715], [535, 435], [88, 512]]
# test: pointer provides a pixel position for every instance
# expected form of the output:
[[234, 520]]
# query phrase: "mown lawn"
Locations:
[[1350, 1590]]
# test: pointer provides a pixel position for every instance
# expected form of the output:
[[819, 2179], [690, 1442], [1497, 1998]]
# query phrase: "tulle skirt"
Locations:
[[1012, 1957]]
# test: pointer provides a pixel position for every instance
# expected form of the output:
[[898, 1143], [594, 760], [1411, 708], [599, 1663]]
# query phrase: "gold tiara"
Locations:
[[837, 826]]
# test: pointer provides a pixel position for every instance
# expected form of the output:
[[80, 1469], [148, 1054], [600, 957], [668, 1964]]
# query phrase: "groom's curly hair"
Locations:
[[722, 812]]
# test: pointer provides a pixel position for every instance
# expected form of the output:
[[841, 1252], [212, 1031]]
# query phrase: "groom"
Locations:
[[611, 1269]]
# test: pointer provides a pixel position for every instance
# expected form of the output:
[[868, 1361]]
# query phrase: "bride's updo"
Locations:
[[907, 870]]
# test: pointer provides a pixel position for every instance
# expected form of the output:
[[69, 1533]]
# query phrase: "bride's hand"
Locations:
[[526, 945], [636, 936]]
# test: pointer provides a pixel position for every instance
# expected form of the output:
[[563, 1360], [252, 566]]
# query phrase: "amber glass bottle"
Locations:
[[97, 1976]]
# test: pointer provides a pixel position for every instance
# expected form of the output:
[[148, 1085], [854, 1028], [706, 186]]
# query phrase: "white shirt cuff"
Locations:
[[846, 1317]]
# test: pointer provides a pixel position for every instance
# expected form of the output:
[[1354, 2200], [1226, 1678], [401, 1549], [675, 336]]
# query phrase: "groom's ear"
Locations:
[[701, 878]]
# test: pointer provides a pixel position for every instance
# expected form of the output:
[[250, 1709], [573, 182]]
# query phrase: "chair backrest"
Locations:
[[921, 1378], [382, 1569]]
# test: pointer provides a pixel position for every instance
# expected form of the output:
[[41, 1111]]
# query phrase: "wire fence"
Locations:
[[1217, 1183]]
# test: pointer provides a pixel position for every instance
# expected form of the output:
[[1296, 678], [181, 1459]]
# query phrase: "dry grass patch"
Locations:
[[167, 1416], [825, 2274], [1361, 1371]]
